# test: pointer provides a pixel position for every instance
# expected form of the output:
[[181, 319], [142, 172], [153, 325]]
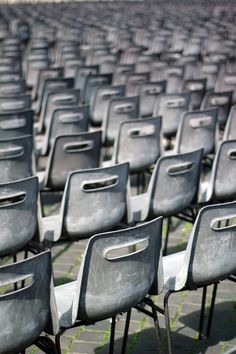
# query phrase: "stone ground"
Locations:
[[184, 311]]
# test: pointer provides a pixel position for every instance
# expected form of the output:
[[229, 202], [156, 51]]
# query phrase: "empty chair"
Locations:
[[134, 80], [230, 127], [148, 91], [16, 124], [18, 214], [120, 109], [27, 306], [15, 158], [208, 71], [82, 74], [93, 81], [100, 100], [209, 257], [139, 143], [198, 129], [70, 153], [171, 107], [43, 75], [220, 100], [130, 256], [94, 200]]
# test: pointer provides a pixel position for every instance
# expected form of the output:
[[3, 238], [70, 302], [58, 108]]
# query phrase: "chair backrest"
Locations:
[[230, 127], [43, 75], [171, 107], [131, 256], [15, 158], [70, 153], [210, 254], [220, 100], [16, 124], [120, 109], [174, 183], [148, 91], [139, 143], [121, 73], [82, 74], [93, 81], [94, 200], [222, 182], [226, 82], [18, 214], [25, 307], [197, 129]]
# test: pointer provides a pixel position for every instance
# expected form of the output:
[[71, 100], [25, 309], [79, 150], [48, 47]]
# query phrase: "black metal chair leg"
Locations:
[[202, 313], [157, 327], [58, 342], [46, 345], [112, 335], [167, 320], [167, 235], [208, 332], [125, 337]]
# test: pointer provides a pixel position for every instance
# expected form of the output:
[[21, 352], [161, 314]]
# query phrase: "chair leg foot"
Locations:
[[58, 342], [208, 332], [125, 337], [167, 320], [112, 335], [202, 313]]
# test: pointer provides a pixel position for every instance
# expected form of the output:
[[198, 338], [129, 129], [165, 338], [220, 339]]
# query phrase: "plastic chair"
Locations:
[[118, 254], [120, 109], [29, 305], [94, 200], [208, 259], [93, 81], [198, 129], [139, 143], [171, 107], [70, 153], [15, 158]]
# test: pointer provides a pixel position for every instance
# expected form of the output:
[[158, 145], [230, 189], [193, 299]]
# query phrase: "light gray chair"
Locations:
[[25, 306], [208, 259], [131, 256], [94, 200]]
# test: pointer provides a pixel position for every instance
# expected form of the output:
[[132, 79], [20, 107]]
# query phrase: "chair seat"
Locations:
[[52, 227], [65, 298], [139, 207], [172, 266]]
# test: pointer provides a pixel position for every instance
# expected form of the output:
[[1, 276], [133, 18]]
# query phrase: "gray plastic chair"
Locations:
[[139, 143], [43, 75], [93, 81], [171, 107], [29, 305], [226, 81], [134, 80], [70, 153], [12, 88], [131, 256], [16, 124], [82, 74], [148, 91], [198, 129], [15, 158], [120, 109], [18, 214], [208, 258], [94, 200], [100, 100], [230, 127], [220, 100]]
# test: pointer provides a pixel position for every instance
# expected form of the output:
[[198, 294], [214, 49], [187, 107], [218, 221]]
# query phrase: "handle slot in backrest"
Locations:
[[124, 108], [106, 95], [137, 80], [230, 80], [141, 132], [210, 69], [77, 147], [11, 88], [153, 91], [68, 118], [100, 184], [126, 249], [99, 80], [200, 122], [56, 85], [9, 287], [180, 168], [13, 198], [12, 105], [13, 124], [219, 101], [175, 72], [231, 154], [224, 223], [63, 99], [11, 152], [175, 103], [195, 86]]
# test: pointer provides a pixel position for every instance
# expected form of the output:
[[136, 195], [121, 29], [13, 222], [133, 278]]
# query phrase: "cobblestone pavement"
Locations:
[[184, 312]]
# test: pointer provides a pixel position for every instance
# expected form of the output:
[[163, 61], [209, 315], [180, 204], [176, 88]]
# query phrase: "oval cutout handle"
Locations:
[[195, 86], [230, 80], [63, 99], [142, 132], [153, 91], [12, 105], [124, 108], [69, 118], [10, 286], [216, 223], [77, 147], [13, 124], [176, 103], [11, 152], [231, 154], [200, 122], [179, 169], [210, 69], [12, 198], [99, 81], [100, 184], [126, 249], [219, 101], [108, 94]]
